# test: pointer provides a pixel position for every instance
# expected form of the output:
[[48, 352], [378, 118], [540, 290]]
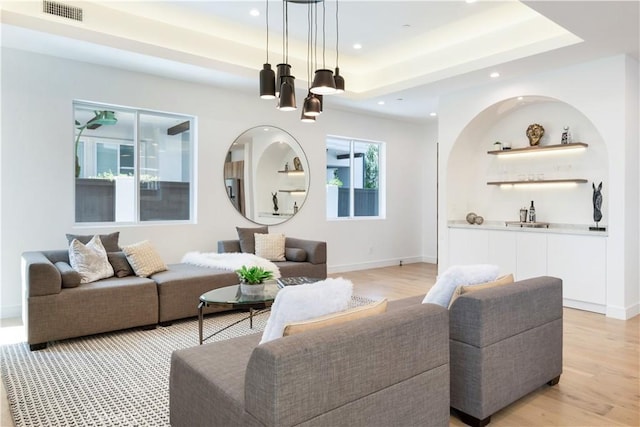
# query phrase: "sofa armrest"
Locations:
[[316, 251], [485, 317], [39, 275], [227, 246]]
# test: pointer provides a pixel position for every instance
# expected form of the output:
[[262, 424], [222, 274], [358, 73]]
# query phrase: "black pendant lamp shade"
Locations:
[[283, 70], [312, 105], [267, 82], [323, 83], [339, 80], [287, 94]]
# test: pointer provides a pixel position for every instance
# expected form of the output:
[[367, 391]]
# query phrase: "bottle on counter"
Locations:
[[295, 208], [532, 213]]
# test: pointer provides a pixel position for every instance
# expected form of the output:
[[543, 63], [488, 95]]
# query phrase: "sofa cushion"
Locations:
[[121, 267], [360, 312], [463, 289], [303, 302], [70, 277], [442, 291], [109, 241], [270, 246], [295, 254], [90, 260], [247, 239], [144, 259]]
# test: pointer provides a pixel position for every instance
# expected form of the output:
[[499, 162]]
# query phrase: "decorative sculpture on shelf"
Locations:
[[566, 136], [535, 132], [597, 207], [297, 164], [274, 198]]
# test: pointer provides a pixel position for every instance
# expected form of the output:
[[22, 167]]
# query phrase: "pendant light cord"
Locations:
[[337, 34], [324, 21], [267, 19]]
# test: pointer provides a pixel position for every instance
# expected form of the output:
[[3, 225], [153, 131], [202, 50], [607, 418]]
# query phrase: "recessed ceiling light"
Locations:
[[520, 98], [494, 75], [399, 99], [357, 46], [433, 114], [254, 12], [380, 102]]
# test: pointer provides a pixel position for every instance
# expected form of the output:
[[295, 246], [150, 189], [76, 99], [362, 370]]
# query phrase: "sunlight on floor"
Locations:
[[12, 331]]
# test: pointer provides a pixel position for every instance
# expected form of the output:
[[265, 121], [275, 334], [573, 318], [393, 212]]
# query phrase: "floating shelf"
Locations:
[[526, 224], [539, 149], [302, 190], [541, 181], [293, 172]]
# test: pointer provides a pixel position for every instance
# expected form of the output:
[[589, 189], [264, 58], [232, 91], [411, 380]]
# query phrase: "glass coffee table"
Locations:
[[231, 297]]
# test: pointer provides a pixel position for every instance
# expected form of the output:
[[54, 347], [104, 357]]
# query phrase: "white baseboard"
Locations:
[[623, 313], [586, 306], [343, 268], [9, 311]]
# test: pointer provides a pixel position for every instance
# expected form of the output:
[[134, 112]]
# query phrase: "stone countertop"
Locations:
[[554, 228]]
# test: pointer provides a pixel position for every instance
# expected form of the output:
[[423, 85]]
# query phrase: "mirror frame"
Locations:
[[266, 175]]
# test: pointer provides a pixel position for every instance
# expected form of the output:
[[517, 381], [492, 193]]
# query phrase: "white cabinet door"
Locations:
[[467, 246], [531, 255], [581, 263], [502, 251]]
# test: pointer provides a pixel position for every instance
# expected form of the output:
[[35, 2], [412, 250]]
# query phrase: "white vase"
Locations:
[[248, 289]]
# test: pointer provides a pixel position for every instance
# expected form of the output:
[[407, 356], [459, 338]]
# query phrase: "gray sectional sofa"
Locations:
[[54, 312], [391, 369]]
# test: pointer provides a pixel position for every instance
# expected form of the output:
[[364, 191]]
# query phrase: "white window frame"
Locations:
[[382, 199]]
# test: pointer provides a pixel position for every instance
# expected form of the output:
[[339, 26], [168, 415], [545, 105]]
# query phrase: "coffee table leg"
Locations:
[[250, 317], [200, 321]]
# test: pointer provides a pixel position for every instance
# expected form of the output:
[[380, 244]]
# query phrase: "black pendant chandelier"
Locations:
[[280, 84]]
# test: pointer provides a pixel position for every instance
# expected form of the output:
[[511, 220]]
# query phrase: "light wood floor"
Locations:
[[599, 385]]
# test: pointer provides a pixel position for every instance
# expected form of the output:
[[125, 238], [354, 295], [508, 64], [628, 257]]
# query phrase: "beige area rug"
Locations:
[[113, 379]]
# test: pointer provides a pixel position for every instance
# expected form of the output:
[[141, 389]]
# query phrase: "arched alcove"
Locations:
[[470, 167]]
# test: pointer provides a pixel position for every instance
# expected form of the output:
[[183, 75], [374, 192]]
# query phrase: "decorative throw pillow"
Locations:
[[70, 277], [303, 302], [90, 260], [144, 259], [121, 267], [360, 312], [109, 241], [455, 275], [270, 246], [295, 254], [247, 239], [463, 289]]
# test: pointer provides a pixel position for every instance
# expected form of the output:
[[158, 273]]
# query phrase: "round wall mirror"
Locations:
[[266, 175]]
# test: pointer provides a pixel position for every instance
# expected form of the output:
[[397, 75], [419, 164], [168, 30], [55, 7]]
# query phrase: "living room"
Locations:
[[37, 210]]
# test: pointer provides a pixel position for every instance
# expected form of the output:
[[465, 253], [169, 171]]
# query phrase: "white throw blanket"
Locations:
[[230, 261]]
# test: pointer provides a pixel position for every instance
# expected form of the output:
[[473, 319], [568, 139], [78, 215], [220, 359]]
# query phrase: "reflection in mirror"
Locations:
[[266, 175]]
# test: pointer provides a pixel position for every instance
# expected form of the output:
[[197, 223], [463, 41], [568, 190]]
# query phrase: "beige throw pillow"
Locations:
[[463, 289], [360, 312], [144, 259], [90, 260], [270, 246]]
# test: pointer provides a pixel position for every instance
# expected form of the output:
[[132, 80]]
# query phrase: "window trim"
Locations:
[[137, 112], [382, 198]]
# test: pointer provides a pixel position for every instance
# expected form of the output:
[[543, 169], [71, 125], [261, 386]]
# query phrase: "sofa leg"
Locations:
[[165, 324], [36, 347], [470, 420], [554, 381], [149, 327]]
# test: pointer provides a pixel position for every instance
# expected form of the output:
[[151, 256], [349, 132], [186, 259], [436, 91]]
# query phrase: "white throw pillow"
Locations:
[[270, 246], [144, 259], [303, 302], [90, 260], [456, 275]]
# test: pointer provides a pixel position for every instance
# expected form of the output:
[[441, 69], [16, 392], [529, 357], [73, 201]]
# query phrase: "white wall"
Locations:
[[37, 167], [600, 91]]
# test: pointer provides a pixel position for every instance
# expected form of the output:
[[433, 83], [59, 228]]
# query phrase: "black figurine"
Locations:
[[275, 202], [597, 205]]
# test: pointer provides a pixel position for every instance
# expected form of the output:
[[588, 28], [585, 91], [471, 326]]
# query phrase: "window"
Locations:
[[132, 165], [355, 178]]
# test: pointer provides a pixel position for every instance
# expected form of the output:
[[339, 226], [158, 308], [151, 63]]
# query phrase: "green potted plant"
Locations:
[[252, 279]]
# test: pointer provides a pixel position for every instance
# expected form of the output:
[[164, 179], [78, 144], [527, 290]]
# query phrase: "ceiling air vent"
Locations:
[[62, 10]]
